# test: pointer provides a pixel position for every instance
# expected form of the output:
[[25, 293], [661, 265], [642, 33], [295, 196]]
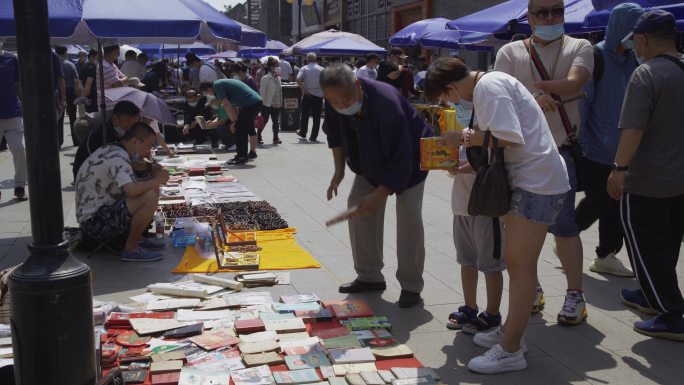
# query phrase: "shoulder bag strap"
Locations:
[[672, 59], [484, 155], [534, 56]]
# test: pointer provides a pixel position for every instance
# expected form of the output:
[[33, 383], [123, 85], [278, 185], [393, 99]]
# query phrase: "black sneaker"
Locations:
[[252, 155], [277, 141], [409, 299], [20, 193], [301, 134], [237, 160], [260, 140], [357, 286]]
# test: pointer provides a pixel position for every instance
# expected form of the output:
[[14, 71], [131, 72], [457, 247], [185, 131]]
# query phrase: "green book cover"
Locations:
[[341, 342], [369, 323]]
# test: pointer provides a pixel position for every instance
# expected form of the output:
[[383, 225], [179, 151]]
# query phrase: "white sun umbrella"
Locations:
[[125, 48], [150, 105], [322, 37], [264, 59]]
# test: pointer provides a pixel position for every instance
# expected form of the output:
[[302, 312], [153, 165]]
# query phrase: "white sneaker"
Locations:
[[610, 265], [574, 310], [496, 360], [493, 337]]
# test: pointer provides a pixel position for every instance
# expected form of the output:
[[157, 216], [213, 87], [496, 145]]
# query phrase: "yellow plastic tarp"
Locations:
[[280, 251]]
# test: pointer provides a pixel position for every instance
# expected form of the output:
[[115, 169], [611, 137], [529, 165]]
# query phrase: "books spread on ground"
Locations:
[[306, 361], [353, 355], [303, 376], [197, 333], [258, 375]]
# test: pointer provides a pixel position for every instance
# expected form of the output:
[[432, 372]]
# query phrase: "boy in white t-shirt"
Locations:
[[479, 248]]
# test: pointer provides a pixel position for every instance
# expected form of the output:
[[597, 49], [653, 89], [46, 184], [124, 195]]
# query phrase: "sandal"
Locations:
[[483, 323], [459, 318]]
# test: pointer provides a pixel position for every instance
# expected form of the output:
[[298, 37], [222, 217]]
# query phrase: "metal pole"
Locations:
[[103, 104], [51, 313], [299, 25]]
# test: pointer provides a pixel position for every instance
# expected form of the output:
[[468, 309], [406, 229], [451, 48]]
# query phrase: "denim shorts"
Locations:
[[536, 208], [565, 225], [109, 221]]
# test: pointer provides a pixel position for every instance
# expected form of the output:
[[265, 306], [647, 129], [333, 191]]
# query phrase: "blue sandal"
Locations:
[[461, 317], [484, 322]]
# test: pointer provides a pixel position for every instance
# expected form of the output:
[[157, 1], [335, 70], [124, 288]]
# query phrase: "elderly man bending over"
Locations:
[[110, 201], [372, 126]]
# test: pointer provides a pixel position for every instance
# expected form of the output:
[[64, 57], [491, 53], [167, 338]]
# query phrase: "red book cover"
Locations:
[[352, 308], [166, 378], [249, 326], [331, 333], [121, 319]]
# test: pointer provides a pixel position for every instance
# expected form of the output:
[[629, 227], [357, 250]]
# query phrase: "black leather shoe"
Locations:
[[301, 134], [359, 286], [409, 299]]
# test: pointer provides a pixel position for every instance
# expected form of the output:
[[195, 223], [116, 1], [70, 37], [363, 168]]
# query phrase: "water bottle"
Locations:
[[159, 223]]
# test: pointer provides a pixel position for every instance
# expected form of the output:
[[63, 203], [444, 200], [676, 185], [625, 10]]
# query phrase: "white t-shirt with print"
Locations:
[[506, 108], [100, 180], [514, 59]]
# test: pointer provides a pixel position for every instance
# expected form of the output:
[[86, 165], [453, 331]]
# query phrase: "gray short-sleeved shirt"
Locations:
[[653, 103], [70, 73]]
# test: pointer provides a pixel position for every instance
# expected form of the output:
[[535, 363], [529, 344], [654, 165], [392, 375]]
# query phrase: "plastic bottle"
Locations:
[[159, 223]]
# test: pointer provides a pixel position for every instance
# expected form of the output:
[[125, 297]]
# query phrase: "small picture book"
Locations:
[[435, 155], [307, 361]]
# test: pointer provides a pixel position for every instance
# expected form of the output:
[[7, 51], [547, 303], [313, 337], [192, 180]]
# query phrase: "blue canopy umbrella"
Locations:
[[176, 49], [252, 37], [511, 16], [343, 46], [411, 34], [453, 39], [64, 17], [599, 18], [273, 47], [132, 21]]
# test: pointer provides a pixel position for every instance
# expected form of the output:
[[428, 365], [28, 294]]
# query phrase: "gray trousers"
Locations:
[[366, 235]]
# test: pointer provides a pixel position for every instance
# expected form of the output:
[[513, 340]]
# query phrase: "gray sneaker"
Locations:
[[140, 255]]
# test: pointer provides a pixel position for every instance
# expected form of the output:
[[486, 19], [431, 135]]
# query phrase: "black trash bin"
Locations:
[[292, 107]]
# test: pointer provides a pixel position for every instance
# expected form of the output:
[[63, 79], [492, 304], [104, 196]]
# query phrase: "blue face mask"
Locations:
[[353, 109], [464, 110], [628, 44], [549, 32]]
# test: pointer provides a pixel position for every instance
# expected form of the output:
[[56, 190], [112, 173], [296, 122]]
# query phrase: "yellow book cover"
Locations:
[[434, 155]]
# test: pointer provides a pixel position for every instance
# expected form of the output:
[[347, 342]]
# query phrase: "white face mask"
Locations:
[[192, 104], [639, 56], [210, 98], [236, 77]]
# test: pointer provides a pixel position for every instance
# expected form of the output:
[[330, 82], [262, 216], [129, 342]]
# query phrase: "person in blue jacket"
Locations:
[[614, 62]]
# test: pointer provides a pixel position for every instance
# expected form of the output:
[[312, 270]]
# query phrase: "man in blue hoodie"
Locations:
[[599, 136]]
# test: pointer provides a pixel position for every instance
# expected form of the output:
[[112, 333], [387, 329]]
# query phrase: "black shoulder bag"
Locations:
[[491, 194], [576, 152]]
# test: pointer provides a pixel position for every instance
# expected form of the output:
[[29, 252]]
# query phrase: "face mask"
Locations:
[[549, 32], [192, 104], [464, 110], [354, 108], [215, 107], [236, 77], [210, 98], [628, 44]]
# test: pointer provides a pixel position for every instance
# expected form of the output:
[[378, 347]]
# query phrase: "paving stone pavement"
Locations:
[[294, 176]]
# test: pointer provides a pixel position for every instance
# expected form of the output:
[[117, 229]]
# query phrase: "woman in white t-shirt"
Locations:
[[538, 180]]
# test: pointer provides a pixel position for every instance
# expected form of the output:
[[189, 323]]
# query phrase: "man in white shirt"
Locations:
[[286, 73], [312, 97], [569, 62], [113, 77], [369, 71], [132, 67]]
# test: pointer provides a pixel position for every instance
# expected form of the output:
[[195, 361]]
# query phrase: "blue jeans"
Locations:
[[536, 208]]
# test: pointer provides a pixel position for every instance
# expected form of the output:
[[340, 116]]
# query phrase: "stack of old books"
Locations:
[[248, 338]]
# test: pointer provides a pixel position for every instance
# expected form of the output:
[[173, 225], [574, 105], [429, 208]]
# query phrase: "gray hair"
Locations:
[[310, 57], [337, 75]]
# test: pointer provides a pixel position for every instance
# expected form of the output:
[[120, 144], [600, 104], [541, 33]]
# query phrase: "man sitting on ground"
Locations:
[[110, 201]]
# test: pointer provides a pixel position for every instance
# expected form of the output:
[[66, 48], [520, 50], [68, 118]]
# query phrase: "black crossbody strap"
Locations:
[[536, 60], [672, 59]]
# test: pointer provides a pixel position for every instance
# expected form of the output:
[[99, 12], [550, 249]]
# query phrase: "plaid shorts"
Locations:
[[109, 221]]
